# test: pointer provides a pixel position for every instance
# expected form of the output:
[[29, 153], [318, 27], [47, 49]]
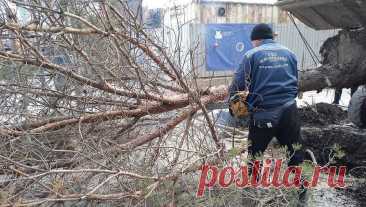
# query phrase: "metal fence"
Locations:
[[196, 16], [289, 36]]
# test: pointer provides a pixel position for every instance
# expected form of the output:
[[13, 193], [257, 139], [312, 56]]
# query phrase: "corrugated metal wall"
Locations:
[[290, 37], [258, 13], [241, 13], [176, 34], [195, 16]]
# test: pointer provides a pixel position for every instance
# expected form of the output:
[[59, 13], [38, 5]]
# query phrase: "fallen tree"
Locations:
[[344, 63], [325, 127], [336, 142], [85, 88], [344, 67]]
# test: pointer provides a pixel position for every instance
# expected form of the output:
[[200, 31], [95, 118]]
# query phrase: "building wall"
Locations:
[[241, 13], [179, 33], [190, 20], [290, 37], [259, 13]]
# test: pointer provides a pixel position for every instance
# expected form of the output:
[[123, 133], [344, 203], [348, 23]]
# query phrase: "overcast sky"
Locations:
[[163, 3]]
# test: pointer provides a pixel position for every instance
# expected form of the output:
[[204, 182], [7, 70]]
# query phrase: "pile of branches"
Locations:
[[95, 108]]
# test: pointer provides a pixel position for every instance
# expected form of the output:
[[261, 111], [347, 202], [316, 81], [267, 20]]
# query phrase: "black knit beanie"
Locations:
[[261, 31]]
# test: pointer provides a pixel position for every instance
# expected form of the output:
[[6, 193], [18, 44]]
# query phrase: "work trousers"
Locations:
[[287, 133]]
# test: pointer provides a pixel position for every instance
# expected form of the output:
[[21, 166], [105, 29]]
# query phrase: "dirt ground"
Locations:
[[322, 114], [326, 125]]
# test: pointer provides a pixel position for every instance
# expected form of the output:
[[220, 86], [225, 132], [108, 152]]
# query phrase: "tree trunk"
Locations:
[[344, 63], [350, 140]]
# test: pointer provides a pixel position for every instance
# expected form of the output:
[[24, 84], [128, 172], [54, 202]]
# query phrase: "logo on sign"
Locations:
[[218, 35], [240, 46]]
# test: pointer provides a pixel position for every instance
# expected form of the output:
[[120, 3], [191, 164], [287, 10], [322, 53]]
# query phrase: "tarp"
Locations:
[[226, 45], [327, 14]]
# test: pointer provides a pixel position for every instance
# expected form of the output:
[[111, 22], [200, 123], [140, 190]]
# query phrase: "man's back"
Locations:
[[272, 74], [269, 74]]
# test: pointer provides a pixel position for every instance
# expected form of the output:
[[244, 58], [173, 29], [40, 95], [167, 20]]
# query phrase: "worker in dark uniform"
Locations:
[[269, 78], [269, 73]]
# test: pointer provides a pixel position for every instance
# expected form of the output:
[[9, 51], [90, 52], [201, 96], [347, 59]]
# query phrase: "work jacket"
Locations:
[[269, 72]]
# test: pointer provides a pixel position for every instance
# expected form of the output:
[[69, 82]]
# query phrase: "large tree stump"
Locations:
[[344, 63], [326, 125], [351, 140]]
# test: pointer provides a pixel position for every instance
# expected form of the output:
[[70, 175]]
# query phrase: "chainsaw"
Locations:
[[238, 106]]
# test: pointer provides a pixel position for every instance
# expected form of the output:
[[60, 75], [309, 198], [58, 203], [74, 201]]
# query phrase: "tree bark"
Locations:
[[344, 63], [350, 140]]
